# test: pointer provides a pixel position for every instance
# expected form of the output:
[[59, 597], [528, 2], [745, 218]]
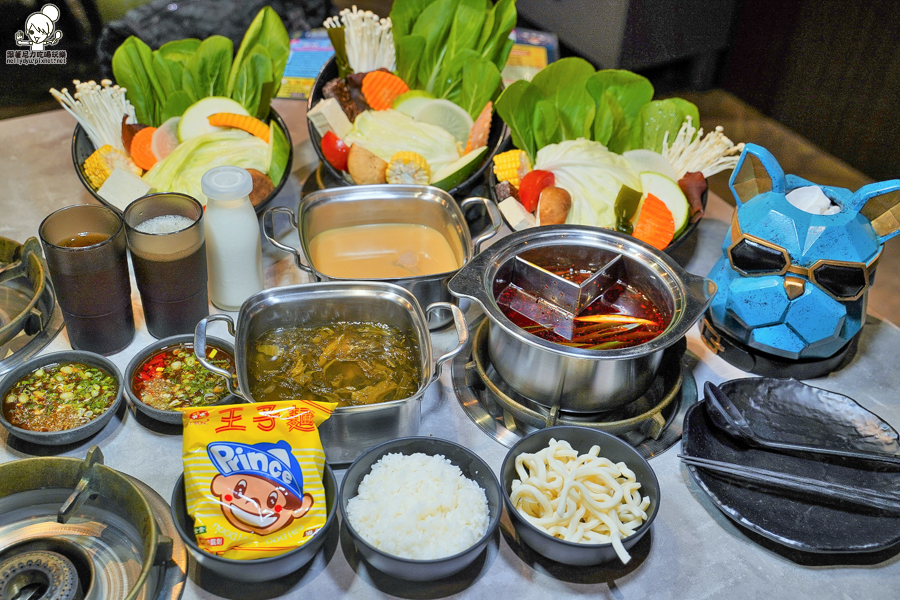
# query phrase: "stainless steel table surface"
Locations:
[[693, 551]]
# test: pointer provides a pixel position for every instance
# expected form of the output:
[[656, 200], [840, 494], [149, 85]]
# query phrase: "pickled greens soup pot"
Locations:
[[351, 429]]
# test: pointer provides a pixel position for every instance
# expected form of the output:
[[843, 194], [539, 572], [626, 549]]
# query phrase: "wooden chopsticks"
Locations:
[[834, 491]]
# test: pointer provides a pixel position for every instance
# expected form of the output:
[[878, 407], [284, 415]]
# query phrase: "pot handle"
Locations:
[[462, 333], [200, 350], [700, 292], [269, 231], [494, 214], [86, 489], [466, 283]]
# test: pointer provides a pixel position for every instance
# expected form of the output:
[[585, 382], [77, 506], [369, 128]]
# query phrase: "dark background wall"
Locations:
[[828, 69]]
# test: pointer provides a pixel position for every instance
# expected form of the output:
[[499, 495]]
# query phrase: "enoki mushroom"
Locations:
[[99, 109], [368, 40], [691, 152]]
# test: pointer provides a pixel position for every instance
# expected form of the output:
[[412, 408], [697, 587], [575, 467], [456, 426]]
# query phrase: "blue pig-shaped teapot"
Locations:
[[792, 284]]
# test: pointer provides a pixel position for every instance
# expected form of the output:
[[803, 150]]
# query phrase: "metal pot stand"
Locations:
[[54, 548], [29, 315], [652, 423]]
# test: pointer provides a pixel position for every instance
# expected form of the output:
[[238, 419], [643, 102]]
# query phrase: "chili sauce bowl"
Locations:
[[65, 436], [172, 417]]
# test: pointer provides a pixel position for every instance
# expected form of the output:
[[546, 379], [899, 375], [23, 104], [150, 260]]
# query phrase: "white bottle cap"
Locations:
[[226, 183]]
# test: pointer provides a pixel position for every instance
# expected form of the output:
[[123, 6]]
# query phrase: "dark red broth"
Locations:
[[618, 299]]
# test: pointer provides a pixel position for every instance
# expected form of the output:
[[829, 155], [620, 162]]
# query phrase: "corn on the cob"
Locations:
[[511, 166], [408, 167], [101, 163]]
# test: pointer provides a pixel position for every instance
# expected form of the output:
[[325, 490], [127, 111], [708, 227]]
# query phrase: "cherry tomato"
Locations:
[[531, 186], [335, 151]]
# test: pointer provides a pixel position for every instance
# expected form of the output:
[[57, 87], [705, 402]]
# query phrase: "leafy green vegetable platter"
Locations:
[[82, 148], [498, 135], [192, 104]]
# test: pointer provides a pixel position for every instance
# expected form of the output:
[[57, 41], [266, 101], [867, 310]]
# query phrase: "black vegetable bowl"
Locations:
[[472, 467], [499, 133], [172, 417], [581, 439], [66, 436], [259, 569], [675, 243], [83, 147]]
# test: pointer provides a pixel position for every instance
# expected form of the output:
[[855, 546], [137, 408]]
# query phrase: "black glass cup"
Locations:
[[87, 259], [168, 251]]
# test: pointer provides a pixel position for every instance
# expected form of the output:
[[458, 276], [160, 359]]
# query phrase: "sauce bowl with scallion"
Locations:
[[60, 398], [166, 377]]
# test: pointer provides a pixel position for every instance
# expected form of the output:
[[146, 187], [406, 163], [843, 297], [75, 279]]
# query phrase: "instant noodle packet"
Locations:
[[253, 476]]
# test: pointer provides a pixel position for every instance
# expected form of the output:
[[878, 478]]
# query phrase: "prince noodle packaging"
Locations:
[[253, 476]]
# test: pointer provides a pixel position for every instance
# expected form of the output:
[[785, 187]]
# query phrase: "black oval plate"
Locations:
[[795, 521]]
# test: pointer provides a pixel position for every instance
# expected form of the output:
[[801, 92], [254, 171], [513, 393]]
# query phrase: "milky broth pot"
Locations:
[[350, 430], [380, 204], [575, 379]]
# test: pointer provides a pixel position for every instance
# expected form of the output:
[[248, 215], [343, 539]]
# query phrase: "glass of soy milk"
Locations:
[[168, 252]]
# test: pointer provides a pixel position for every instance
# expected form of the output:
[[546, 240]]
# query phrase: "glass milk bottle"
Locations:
[[233, 249]]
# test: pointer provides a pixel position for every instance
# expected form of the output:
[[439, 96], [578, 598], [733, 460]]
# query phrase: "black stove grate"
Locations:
[[652, 423]]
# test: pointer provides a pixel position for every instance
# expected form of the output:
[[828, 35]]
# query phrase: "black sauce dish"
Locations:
[[172, 417], [472, 467], [259, 569], [581, 439], [66, 436]]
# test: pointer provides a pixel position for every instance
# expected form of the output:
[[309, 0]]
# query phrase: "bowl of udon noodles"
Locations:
[[601, 508]]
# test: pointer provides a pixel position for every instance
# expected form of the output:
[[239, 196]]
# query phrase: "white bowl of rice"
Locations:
[[420, 508]]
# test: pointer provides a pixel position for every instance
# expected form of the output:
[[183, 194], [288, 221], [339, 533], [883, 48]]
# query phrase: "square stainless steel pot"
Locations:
[[379, 204], [352, 430]]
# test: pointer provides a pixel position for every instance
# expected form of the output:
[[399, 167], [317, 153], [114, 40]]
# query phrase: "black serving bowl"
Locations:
[[581, 439], [258, 569], [67, 436], [83, 147], [675, 243], [472, 467], [172, 417], [499, 133]]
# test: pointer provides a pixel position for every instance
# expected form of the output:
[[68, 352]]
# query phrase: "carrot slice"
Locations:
[[655, 224], [480, 129], [141, 149], [380, 88], [243, 122]]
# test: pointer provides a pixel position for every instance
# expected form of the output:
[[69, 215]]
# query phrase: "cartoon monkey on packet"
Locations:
[[257, 503]]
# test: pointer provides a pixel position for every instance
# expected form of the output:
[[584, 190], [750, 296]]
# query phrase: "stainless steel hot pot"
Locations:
[[350, 430], [575, 379], [376, 204]]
